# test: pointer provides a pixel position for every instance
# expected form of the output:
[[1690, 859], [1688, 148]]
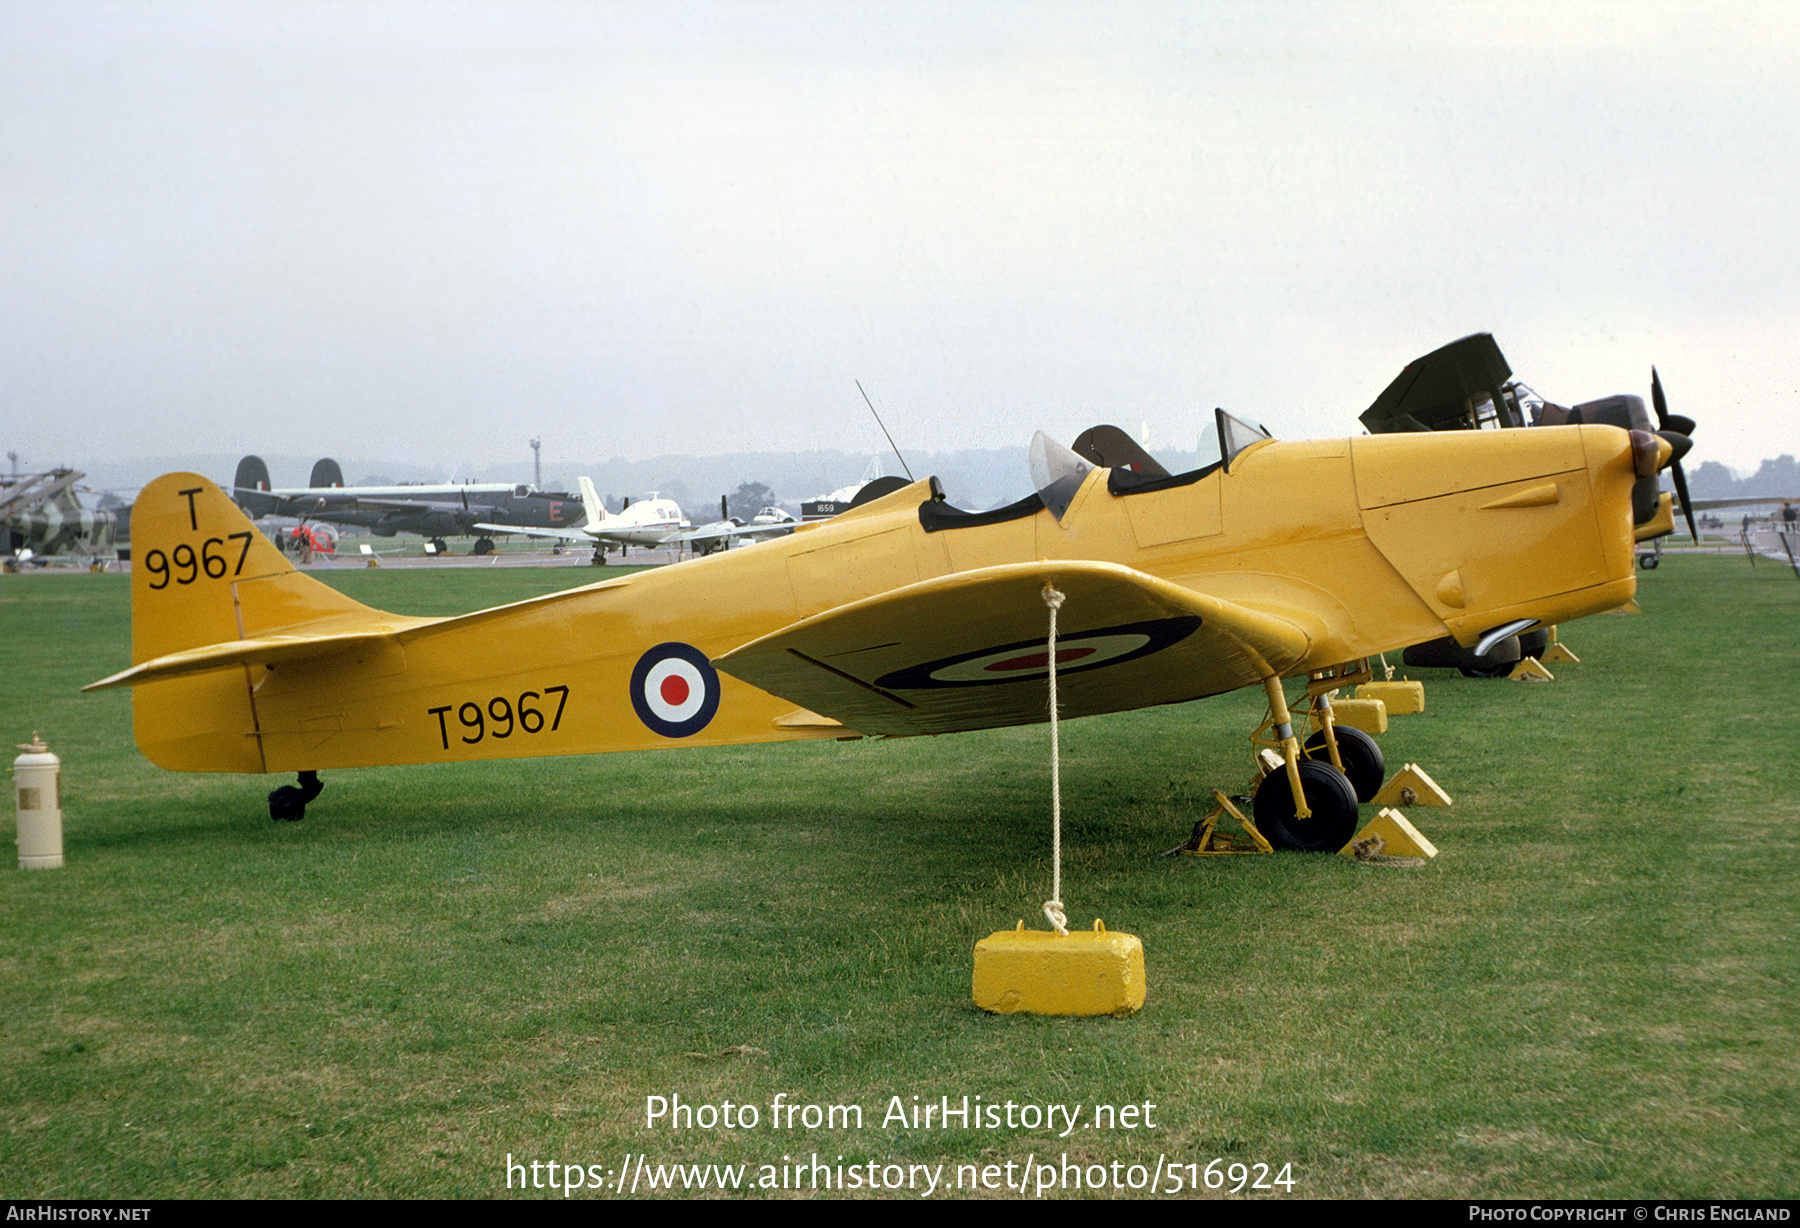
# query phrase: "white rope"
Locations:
[[1053, 908]]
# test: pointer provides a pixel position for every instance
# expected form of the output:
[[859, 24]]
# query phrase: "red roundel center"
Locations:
[[674, 690], [1039, 660]]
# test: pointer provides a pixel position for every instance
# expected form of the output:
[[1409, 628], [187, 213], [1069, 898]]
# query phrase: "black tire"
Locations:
[[1329, 796], [1648, 561], [442, 549], [1487, 671], [483, 545], [1364, 763]]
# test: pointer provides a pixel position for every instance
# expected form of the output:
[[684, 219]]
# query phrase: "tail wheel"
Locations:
[[1329, 796], [1364, 763]]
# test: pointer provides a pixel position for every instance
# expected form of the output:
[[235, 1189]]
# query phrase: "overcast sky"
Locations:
[[427, 232]]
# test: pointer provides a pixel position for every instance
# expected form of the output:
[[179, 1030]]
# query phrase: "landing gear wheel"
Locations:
[[1329, 796], [288, 803], [1486, 671], [1648, 561], [1364, 763], [437, 544], [483, 545]]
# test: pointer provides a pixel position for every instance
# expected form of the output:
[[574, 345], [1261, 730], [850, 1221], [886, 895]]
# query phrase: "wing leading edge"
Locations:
[[968, 651]]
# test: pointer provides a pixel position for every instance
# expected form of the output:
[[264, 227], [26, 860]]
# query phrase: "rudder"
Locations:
[[250, 484], [204, 575]]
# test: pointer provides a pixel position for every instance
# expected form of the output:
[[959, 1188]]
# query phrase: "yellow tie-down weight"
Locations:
[[1083, 972]]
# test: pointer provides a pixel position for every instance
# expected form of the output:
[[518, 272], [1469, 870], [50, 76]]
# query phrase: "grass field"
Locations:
[[1590, 993]]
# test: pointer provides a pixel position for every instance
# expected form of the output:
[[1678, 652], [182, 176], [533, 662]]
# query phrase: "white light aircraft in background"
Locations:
[[648, 522]]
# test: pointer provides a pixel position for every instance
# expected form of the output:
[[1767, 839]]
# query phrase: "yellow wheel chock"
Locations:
[[1389, 839], [1558, 651], [1410, 786], [1530, 669], [1209, 841]]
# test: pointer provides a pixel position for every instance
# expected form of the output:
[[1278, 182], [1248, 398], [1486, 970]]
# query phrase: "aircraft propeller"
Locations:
[[1628, 413], [1678, 430]]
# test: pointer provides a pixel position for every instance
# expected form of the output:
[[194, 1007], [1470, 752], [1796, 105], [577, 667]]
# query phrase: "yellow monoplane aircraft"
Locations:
[[902, 616]]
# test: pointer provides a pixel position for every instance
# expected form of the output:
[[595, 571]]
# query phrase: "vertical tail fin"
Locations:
[[204, 574], [252, 477], [596, 510], [201, 575]]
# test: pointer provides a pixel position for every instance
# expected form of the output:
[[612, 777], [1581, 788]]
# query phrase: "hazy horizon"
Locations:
[[442, 229]]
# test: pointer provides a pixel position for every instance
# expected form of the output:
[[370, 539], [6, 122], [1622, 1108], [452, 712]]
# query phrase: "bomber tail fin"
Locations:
[[325, 472], [250, 486]]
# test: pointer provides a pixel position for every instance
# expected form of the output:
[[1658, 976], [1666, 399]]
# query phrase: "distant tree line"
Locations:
[[748, 499], [1778, 478]]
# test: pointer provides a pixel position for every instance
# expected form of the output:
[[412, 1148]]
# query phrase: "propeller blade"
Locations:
[[1672, 428], [1687, 506], [1666, 421]]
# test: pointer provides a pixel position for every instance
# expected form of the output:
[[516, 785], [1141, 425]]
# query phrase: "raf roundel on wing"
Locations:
[[1031, 658], [675, 690]]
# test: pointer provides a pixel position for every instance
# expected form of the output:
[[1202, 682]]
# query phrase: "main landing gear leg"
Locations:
[[1280, 723], [1300, 803], [289, 802], [1350, 750]]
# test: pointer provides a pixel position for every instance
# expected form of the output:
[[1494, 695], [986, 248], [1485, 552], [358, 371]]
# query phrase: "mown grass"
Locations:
[[1591, 992]]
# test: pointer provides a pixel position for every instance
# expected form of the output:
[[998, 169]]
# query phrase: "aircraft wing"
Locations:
[[365, 504], [1711, 505], [967, 651], [713, 532], [567, 535], [290, 503]]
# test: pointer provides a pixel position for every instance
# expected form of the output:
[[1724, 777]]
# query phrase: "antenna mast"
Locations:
[[884, 431]]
